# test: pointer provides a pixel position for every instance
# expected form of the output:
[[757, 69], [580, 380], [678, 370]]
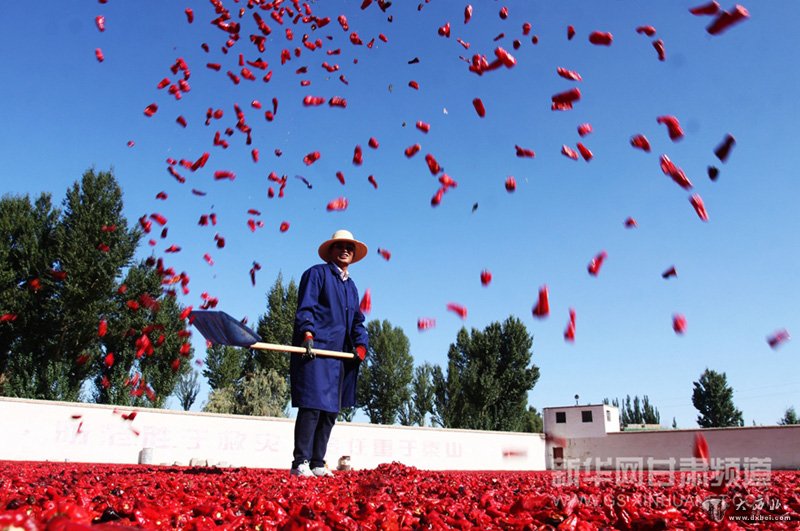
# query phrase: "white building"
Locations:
[[561, 424]]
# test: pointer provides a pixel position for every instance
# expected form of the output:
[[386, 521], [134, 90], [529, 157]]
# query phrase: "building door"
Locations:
[[558, 457]]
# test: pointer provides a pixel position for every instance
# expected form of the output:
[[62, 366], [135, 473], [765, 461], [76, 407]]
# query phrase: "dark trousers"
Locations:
[[312, 429]]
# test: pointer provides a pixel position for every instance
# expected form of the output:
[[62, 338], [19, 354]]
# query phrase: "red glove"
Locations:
[[361, 352]]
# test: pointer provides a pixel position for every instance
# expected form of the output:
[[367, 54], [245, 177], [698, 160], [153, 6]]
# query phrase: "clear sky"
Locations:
[[737, 283]]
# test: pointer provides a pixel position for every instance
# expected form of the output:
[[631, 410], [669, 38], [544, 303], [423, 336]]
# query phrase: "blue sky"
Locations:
[[737, 274]]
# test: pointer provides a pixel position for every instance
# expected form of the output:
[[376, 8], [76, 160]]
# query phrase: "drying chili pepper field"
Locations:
[[70, 496]]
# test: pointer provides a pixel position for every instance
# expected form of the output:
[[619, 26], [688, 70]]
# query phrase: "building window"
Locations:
[[561, 417], [608, 416], [586, 416]]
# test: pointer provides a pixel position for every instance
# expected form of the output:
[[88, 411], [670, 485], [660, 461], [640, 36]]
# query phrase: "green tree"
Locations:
[[386, 373], [422, 393], [262, 393], [224, 366], [638, 411], [187, 390], [489, 374], [63, 269], [713, 398], [147, 342], [276, 326], [789, 417], [533, 421]]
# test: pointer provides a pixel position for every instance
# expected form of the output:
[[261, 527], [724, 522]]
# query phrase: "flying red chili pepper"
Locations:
[[569, 74], [486, 277], [700, 449], [726, 19], [596, 263], [413, 84], [467, 13], [679, 323], [569, 152], [570, 32], [669, 273], [659, 46], [150, 110], [724, 149], [385, 254], [699, 207], [503, 12], [373, 143], [710, 8], [444, 31], [522, 152], [366, 302], [172, 249], [673, 127], [433, 165], [100, 22], [457, 309], [641, 142], [358, 155], [511, 184], [311, 158], [479, 108], [425, 323], [284, 226], [647, 30], [337, 204], [569, 332], [224, 174], [585, 152], [567, 97], [410, 151], [601, 38], [158, 218], [677, 174], [372, 181], [424, 127], [778, 338], [189, 15], [584, 129], [630, 223], [542, 308]]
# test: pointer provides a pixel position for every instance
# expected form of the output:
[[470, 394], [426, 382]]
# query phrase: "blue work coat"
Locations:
[[328, 307]]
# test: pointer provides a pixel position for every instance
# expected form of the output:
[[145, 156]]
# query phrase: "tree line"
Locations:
[[82, 320]]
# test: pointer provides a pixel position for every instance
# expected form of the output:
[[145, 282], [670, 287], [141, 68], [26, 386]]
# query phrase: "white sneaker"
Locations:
[[302, 470], [321, 471]]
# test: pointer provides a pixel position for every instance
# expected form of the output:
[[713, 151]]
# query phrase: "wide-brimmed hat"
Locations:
[[342, 235]]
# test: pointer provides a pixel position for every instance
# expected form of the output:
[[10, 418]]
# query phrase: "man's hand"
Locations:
[[361, 352], [308, 343]]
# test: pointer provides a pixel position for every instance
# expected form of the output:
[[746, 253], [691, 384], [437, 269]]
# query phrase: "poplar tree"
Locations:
[[713, 398], [489, 375]]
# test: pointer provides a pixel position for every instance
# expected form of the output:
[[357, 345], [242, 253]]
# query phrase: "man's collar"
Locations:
[[343, 274]]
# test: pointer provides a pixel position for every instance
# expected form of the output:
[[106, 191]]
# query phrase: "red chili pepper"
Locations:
[[569, 74], [724, 149], [311, 158], [640, 142], [699, 207], [778, 338], [542, 307], [189, 15], [523, 152], [425, 323], [479, 108], [601, 38], [385, 254], [659, 46], [585, 152], [569, 152], [486, 277], [433, 165], [584, 129], [511, 184], [570, 32], [673, 127], [444, 31], [366, 302], [679, 324], [467, 13], [338, 204], [726, 19], [710, 8], [669, 273]]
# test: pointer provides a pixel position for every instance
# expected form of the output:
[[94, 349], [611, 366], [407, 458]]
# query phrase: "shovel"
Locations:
[[222, 329]]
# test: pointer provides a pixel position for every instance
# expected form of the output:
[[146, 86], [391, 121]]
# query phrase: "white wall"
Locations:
[[779, 443], [45, 431]]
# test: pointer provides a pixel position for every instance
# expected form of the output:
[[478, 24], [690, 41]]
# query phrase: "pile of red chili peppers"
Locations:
[[75, 496]]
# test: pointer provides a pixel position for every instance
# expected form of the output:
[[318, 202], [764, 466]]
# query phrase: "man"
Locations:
[[328, 317]]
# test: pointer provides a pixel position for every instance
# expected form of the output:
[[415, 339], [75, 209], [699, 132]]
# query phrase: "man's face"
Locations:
[[341, 253]]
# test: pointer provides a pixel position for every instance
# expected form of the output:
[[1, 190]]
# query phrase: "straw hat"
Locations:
[[342, 235]]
